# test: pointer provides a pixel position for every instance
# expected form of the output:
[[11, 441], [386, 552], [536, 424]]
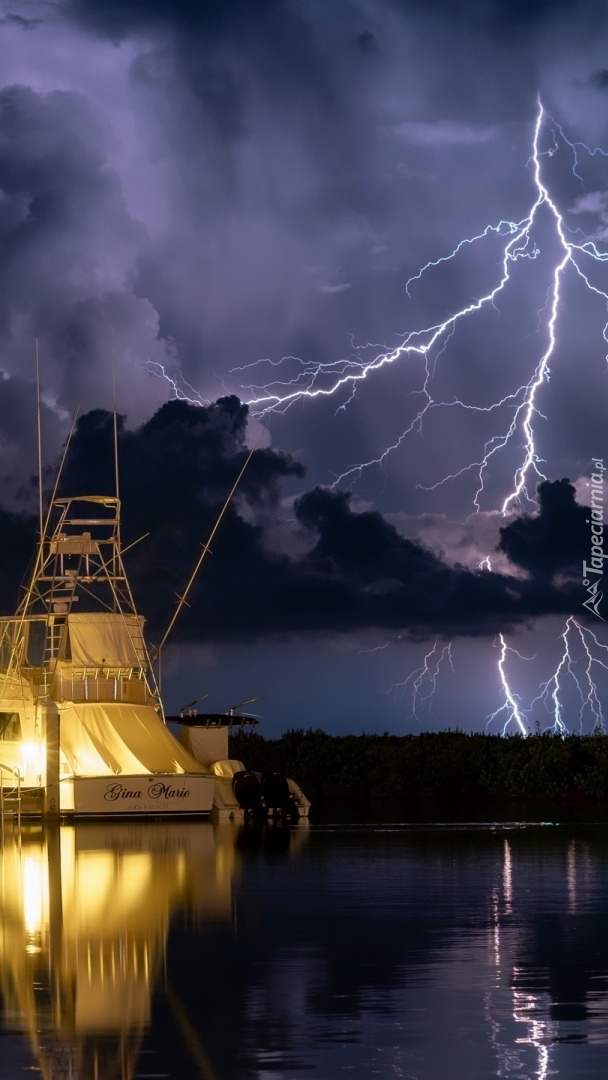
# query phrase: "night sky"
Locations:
[[248, 207]]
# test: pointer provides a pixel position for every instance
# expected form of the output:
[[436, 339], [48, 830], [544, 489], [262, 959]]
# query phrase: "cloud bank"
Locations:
[[354, 570]]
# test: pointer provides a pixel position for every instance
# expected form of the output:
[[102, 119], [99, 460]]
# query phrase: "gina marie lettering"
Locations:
[[167, 791], [119, 791], [156, 790]]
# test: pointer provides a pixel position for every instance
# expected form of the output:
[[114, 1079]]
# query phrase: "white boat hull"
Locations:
[[128, 796]]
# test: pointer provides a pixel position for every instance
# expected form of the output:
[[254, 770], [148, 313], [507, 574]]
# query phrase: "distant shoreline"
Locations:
[[451, 768]]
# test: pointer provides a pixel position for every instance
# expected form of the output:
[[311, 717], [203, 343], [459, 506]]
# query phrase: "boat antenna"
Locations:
[[191, 704], [206, 548], [39, 556], [116, 484], [61, 464], [39, 419], [249, 701]]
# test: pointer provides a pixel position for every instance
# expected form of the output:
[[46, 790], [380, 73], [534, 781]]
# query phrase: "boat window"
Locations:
[[5, 654], [10, 726], [35, 643]]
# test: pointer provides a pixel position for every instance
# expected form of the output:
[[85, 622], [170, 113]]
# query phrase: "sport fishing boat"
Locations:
[[82, 727]]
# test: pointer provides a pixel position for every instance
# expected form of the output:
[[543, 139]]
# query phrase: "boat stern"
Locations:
[[163, 794]]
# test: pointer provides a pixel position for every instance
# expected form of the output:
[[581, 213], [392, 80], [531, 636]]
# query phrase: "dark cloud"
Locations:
[[519, 23], [115, 18], [362, 546], [554, 541], [18, 440], [175, 473], [11, 18], [399, 583], [366, 42], [356, 572], [17, 538]]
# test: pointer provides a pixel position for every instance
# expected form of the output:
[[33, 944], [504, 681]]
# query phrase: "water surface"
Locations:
[[416, 951]]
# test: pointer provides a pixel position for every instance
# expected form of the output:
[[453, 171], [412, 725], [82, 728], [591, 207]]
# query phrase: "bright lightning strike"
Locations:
[[582, 658], [511, 705], [294, 380]]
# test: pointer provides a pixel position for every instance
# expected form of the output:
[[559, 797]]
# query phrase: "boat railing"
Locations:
[[10, 793], [125, 684], [94, 683]]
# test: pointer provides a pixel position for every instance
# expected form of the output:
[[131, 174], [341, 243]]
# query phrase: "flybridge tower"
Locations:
[[81, 558], [78, 618]]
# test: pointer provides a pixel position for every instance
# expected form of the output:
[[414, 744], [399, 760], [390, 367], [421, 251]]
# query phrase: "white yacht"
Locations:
[[82, 728]]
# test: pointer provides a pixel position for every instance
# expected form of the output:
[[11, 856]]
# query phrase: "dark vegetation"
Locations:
[[440, 765]]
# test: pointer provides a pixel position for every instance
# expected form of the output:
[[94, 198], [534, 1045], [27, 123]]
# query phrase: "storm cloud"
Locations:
[[356, 571], [553, 541]]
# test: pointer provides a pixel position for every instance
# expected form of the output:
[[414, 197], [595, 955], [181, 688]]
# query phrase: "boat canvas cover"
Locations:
[[113, 738], [105, 638]]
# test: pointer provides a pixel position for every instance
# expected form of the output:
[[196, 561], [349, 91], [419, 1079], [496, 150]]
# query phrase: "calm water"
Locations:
[[187, 951]]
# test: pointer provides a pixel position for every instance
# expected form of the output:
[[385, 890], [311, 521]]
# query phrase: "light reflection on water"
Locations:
[[188, 951]]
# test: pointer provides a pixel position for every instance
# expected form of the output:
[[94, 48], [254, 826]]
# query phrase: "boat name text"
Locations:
[[156, 790]]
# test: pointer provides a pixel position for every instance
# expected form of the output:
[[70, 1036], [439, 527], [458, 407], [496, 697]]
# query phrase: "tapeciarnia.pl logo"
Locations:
[[593, 571]]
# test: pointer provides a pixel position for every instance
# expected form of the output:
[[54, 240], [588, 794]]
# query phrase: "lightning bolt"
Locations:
[[582, 655], [177, 383], [425, 677], [579, 671], [511, 705], [294, 380]]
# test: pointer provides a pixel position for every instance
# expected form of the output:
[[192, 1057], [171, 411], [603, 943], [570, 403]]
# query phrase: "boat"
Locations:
[[83, 731], [241, 795], [82, 726]]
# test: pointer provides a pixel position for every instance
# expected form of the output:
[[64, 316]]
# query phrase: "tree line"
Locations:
[[432, 765]]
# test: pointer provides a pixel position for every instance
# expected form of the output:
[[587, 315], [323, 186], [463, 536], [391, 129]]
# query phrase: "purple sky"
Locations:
[[202, 188]]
